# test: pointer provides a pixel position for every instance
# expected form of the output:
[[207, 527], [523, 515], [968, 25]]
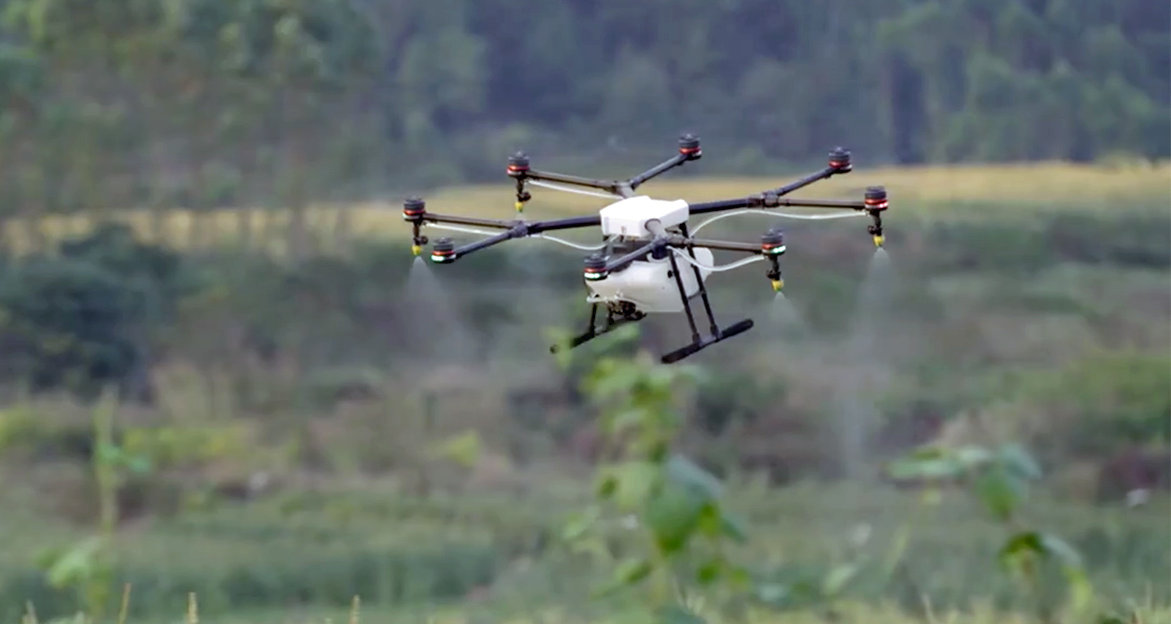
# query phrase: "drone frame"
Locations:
[[598, 267]]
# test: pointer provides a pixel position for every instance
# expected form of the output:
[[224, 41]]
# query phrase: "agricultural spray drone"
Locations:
[[647, 262]]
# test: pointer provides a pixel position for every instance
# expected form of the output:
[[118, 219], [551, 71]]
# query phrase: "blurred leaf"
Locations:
[[629, 572], [972, 456], [920, 468], [774, 594], [677, 614], [838, 578], [76, 563], [464, 449], [1017, 460], [1019, 549], [686, 473], [710, 571], [1000, 492], [635, 481], [733, 526], [607, 485], [673, 515], [580, 523], [1023, 548]]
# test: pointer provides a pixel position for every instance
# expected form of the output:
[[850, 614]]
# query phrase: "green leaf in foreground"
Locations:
[[676, 614], [628, 573], [1021, 552], [673, 515], [1001, 492]]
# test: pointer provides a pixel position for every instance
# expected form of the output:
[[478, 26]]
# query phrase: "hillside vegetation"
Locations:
[[223, 375], [268, 403]]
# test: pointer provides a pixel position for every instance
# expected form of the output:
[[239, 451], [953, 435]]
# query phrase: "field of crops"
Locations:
[[1057, 276], [932, 192]]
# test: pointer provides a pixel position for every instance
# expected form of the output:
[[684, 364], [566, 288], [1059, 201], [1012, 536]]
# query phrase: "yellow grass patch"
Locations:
[[935, 190]]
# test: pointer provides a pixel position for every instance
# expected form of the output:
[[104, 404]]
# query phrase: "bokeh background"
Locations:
[[223, 374]]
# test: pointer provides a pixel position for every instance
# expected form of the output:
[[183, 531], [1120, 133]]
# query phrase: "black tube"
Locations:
[[622, 261], [666, 165], [806, 181], [481, 244], [723, 204], [564, 224], [715, 244], [493, 223], [605, 185], [759, 201]]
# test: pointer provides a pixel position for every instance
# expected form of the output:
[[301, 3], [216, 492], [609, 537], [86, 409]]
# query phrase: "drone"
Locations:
[[648, 262]]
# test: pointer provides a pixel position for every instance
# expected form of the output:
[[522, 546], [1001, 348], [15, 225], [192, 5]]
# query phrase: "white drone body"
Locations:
[[648, 284]]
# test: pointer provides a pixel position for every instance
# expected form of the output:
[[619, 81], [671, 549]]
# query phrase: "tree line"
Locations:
[[198, 103]]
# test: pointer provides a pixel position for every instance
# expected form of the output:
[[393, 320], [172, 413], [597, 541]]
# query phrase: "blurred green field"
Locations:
[[483, 558], [1062, 295]]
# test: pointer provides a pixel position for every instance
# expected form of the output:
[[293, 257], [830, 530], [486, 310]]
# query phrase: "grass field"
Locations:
[[932, 192], [472, 559]]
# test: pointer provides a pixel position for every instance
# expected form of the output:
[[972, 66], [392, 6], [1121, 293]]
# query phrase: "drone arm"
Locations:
[[689, 150], [473, 221], [483, 243], [771, 200], [641, 252], [564, 224], [519, 169], [721, 245], [660, 168]]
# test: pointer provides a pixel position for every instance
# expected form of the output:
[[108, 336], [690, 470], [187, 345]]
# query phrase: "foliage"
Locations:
[[197, 103], [1000, 478], [81, 319], [675, 504]]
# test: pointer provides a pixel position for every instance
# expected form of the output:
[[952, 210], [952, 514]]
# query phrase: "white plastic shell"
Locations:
[[628, 217], [650, 284]]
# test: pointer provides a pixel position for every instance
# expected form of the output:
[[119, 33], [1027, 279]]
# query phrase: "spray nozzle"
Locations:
[[774, 273], [876, 203], [417, 239]]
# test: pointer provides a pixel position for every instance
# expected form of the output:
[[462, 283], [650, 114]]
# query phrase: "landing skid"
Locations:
[[717, 334], [614, 318], [630, 314]]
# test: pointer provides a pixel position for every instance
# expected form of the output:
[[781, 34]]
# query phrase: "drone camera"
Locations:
[[689, 146], [443, 252], [595, 267], [839, 160]]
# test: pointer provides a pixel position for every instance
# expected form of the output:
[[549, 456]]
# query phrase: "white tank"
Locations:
[[650, 284]]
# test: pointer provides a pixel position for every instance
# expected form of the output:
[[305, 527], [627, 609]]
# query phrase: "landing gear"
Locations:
[[617, 314]]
